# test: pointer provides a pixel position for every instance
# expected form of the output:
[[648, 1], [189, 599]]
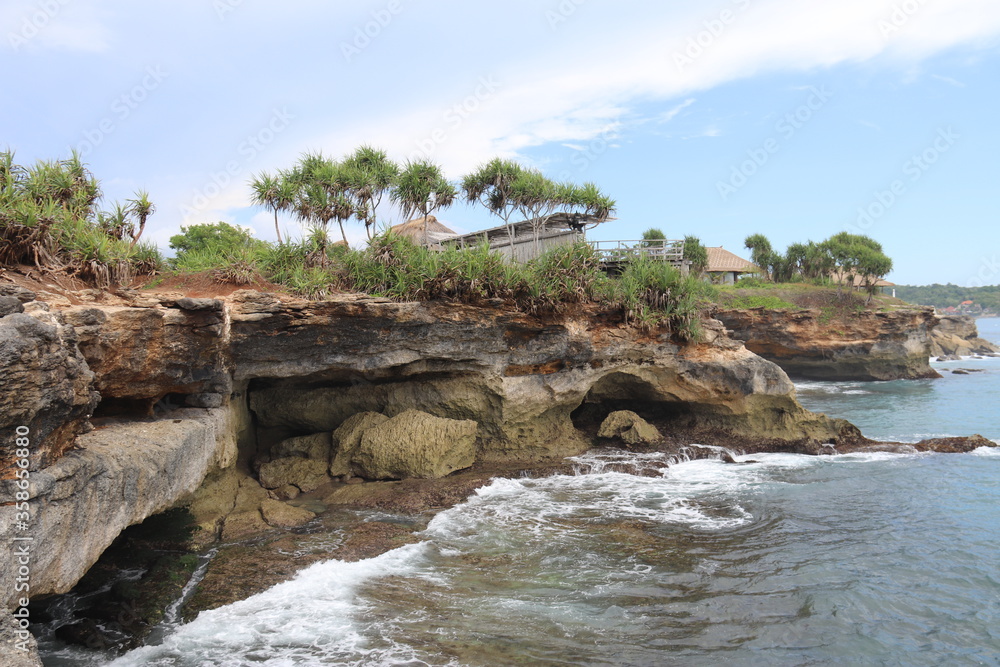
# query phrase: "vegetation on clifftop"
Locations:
[[49, 219]]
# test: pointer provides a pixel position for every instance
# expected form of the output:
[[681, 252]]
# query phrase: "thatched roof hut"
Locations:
[[430, 234]]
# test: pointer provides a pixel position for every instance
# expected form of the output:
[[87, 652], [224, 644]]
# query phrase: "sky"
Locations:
[[717, 119]]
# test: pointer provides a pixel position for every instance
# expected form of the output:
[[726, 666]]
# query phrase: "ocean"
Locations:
[[859, 559]]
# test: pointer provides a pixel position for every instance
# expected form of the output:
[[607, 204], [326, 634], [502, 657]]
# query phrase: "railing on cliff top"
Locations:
[[619, 252]]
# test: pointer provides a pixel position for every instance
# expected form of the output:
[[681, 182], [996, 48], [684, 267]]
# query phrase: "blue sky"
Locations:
[[718, 119]]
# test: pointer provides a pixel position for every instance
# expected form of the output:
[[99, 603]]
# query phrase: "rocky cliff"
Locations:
[[957, 336], [867, 345], [129, 404]]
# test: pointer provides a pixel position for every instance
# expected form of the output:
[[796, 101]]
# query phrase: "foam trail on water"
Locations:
[[309, 620]]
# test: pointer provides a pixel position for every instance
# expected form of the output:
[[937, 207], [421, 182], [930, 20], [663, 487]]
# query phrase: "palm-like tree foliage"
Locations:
[[49, 218], [141, 208], [422, 188], [761, 252], [369, 174], [492, 185], [274, 192]]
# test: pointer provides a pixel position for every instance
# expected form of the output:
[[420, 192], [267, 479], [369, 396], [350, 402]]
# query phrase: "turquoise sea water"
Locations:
[[871, 559]]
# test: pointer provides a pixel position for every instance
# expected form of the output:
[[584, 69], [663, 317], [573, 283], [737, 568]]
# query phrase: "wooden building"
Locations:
[[529, 239]]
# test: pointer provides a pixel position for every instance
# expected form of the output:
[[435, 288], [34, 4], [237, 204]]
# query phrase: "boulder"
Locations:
[[286, 492], [630, 427], [306, 474], [10, 305], [22, 294], [416, 444], [316, 447], [46, 390], [347, 439], [282, 515]]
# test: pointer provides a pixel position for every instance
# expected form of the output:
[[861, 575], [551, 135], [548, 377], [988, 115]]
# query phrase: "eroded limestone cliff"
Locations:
[[957, 336], [133, 402], [866, 345]]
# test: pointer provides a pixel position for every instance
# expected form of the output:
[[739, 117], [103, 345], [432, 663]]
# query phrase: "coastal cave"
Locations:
[[627, 391]]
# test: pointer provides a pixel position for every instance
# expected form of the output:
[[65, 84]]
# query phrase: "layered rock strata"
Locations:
[[292, 393], [957, 336], [868, 346]]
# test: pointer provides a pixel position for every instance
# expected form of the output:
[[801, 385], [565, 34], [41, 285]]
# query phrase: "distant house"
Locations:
[[726, 268], [430, 234], [528, 239], [859, 282]]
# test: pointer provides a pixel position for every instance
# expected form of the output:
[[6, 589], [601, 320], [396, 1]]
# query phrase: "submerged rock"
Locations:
[[282, 515], [960, 445], [630, 427], [416, 444]]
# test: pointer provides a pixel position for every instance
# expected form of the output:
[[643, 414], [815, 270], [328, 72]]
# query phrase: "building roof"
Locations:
[[555, 223], [414, 230], [721, 260]]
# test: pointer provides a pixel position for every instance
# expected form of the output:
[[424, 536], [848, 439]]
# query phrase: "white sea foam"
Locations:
[[308, 620], [988, 452]]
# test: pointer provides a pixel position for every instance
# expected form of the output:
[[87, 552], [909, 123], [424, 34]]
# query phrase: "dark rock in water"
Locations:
[[949, 357], [992, 355], [85, 633], [960, 445], [959, 371]]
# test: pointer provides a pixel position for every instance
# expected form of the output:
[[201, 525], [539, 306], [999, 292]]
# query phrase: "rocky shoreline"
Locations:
[[258, 413]]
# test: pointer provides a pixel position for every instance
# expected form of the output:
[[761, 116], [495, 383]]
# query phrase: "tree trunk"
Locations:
[[276, 230]]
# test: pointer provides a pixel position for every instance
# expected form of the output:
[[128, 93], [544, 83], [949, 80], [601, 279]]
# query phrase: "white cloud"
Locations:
[[672, 113], [570, 102], [947, 79]]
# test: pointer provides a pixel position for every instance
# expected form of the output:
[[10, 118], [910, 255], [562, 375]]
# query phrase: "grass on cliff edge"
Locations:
[[648, 294], [836, 304]]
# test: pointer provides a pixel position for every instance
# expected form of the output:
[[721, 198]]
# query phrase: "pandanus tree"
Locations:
[[274, 192], [492, 185], [369, 174], [321, 194], [141, 208], [536, 197], [422, 188], [761, 253]]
